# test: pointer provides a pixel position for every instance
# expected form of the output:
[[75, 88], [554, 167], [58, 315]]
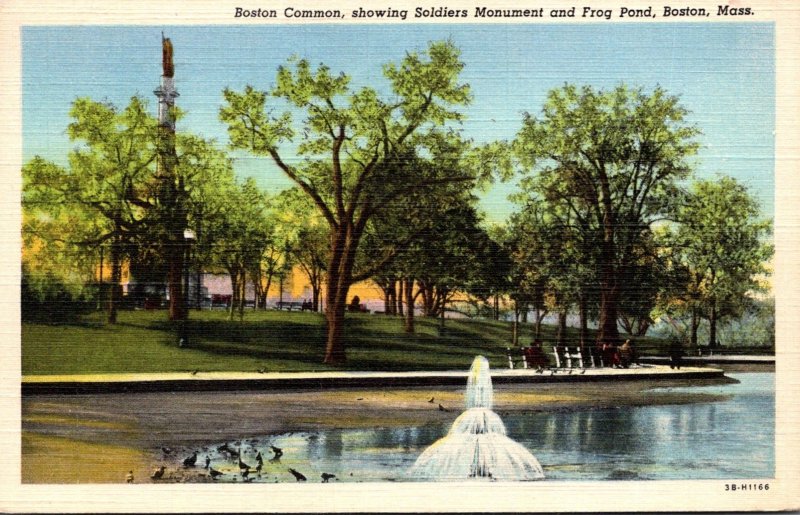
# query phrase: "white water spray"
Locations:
[[477, 445]]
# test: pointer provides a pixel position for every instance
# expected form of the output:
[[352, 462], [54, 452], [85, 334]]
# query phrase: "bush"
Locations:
[[46, 298]]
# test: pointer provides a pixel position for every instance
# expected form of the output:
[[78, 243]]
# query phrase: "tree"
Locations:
[[720, 241], [241, 237], [353, 145], [307, 238], [101, 197], [618, 155]]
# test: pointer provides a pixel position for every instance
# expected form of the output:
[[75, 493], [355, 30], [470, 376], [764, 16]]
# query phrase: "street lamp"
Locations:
[[188, 239]]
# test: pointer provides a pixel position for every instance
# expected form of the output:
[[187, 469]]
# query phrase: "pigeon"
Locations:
[[194, 372], [166, 450], [278, 452], [245, 472], [244, 466], [583, 371], [158, 473], [297, 475], [327, 477], [430, 400], [540, 370], [442, 408], [129, 477], [208, 462], [214, 473], [190, 461]]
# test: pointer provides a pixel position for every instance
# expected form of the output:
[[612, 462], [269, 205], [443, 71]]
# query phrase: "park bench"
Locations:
[[288, 305], [528, 357], [565, 354]]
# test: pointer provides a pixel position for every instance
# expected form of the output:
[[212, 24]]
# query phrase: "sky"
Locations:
[[723, 73]]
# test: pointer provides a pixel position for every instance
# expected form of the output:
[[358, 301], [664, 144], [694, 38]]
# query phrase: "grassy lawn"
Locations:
[[144, 341]]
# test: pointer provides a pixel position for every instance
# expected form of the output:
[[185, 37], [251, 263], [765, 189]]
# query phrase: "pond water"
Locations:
[[727, 439]]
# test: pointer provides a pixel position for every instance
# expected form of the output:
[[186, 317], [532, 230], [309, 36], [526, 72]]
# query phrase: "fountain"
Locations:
[[477, 445]]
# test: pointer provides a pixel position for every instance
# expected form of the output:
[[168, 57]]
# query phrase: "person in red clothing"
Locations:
[[611, 355], [534, 356]]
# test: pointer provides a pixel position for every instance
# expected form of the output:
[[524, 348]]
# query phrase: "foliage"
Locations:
[[720, 241], [353, 147], [612, 160]]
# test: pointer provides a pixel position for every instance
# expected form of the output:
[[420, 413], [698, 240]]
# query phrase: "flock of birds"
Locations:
[[247, 471]]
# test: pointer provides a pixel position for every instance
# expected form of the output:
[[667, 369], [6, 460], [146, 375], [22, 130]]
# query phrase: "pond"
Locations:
[[727, 439]]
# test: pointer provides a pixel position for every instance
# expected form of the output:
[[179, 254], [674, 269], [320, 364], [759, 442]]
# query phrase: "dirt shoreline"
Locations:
[[104, 436]]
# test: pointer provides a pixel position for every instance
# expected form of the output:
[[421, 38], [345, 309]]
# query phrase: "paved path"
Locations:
[[718, 359], [210, 381]]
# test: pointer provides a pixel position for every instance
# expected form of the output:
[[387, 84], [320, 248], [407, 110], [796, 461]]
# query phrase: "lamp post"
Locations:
[[188, 239]]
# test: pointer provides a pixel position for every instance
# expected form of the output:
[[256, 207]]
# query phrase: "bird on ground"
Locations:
[[191, 460], [194, 372], [570, 371], [327, 477], [297, 475], [158, 473], [166, 450], [540, 370], [278, 452], [208, 462], [214, 473], [430, 400], [243, 466], [129, 477], [245, 473], [583, 371], [442, 408]]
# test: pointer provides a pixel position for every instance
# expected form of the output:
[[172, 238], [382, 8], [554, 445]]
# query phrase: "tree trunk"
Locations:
[[399, 305], [693, 332], [408, 285], [343, 249], [607, 331], [175, 257], [234, 274], [561, 330], [334, 315], [712, 325], [242, 295], [116, 277], [537, 324], [583, 334]]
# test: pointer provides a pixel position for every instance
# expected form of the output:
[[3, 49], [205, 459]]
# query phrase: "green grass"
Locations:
[[144, 341]]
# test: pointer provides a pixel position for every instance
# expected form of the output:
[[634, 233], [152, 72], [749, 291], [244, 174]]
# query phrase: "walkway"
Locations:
[[227, 381]]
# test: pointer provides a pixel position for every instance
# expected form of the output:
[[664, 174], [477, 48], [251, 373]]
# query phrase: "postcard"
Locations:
[[400, 256]]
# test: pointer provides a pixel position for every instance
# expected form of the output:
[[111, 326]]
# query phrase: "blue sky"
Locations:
[[724, 74]]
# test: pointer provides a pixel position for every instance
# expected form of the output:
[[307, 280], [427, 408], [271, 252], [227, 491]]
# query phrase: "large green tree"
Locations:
[[618, 155], [100, 198], [721, 240], [352, 146]]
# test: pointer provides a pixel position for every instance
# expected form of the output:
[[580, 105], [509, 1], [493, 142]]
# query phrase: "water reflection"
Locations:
[[728, 439]]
